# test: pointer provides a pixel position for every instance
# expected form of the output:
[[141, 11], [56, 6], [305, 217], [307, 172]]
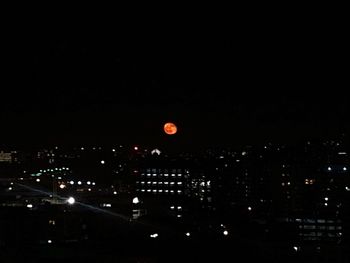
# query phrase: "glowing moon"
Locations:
[[170, 128]]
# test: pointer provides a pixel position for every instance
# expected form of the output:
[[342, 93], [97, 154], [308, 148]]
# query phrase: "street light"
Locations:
[[71, 200], [135, 200]]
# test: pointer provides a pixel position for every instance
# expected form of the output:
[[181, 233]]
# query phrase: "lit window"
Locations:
[[172, 183], [142, 190], [148, 190], [179, 191], [179, 183]]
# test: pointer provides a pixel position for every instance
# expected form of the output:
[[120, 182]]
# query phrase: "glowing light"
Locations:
[[326, 198], [79, 182], [115, 192], [155, 235], [10, 188], [329, 169], [345, 169], [49, 241], [135, 200], [71, 200], [37, 180], [102, 162], [88, 182], [170, 128], [249, 208], [29, 206], [296, 248], [188, 234], [62, 186], [136, 148], [71, 182], [347, 188], [225, 233]]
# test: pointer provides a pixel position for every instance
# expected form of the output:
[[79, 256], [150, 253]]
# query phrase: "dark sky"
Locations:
[[233, 81]]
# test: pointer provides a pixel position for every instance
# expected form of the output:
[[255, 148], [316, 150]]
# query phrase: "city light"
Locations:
[[102, 162], [49, 241], [135, 200], [79, 182], [71, 200], [326, 198], [136, 148], [296, 248], [225, 233], [329, 169], [29, 206], [71, 182], [347, 188], [188, 234], [249, 208], [345, 169], [62, 186], [37, 180], [10, 188], [88, 182], [155, 235], [115, 192]]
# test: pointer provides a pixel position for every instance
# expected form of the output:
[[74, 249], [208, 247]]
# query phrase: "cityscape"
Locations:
[[204, 136], [273, 202]]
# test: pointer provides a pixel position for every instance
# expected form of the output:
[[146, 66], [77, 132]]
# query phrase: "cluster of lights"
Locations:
[[155, 235]]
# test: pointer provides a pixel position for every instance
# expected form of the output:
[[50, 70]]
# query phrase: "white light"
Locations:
[[102, 162], [172, 207], [135, 200], [71, 200], [326, 198], [79, 182], [93, 183], [329, 169], [71, 182], [225, 233], [249, 208], [88, 182], [115, 192], [347, 188], [136, 148], [37, 180], [89, 189], [295, 248], [188, 234], [62, 186], [49, 241], [29, 205], [82, 148], [113, 150], [155, 235], [345, 169], [325, 204], [10, 188], [179, 216]]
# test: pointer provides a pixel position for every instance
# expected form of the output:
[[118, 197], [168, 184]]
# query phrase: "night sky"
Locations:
[[229, 82]]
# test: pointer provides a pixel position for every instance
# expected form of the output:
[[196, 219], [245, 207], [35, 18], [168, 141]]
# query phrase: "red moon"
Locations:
[[170, 128]]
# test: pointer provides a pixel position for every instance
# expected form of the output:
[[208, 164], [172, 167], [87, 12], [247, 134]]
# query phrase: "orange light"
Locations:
[[170, 128]]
